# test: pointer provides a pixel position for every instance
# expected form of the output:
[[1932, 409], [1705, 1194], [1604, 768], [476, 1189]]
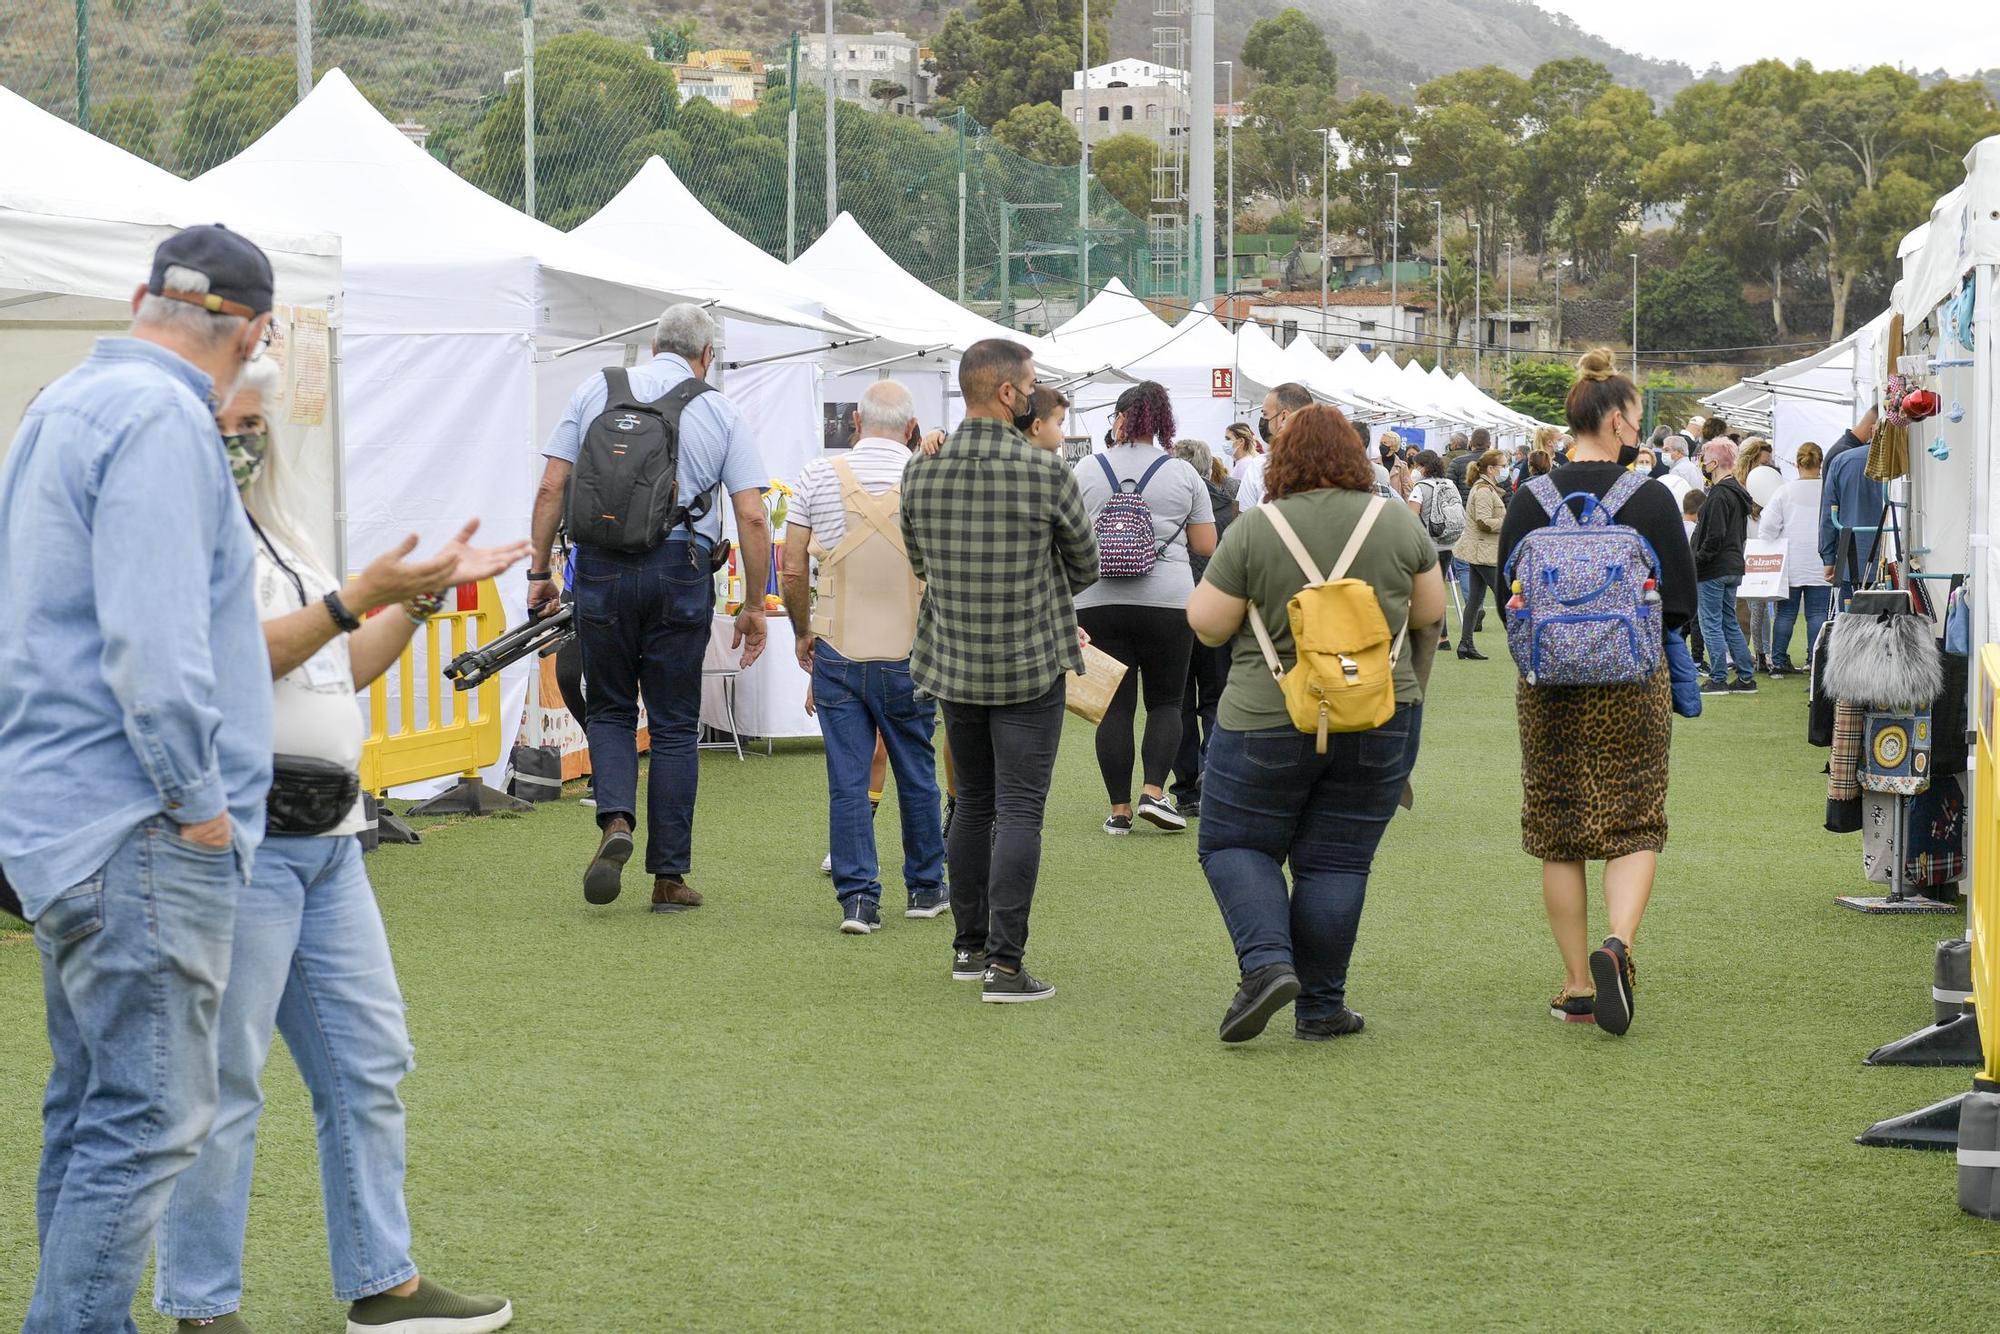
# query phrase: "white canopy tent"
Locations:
[[79, 221], [1193, 360], [449, 295]]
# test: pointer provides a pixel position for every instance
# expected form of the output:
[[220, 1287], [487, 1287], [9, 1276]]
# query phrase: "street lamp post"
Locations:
[[1478, 267], [1561, 264], [1395, 253], [1325, 139], [1508, 246], [1437, 236], [1083, 166], [1635, 317]]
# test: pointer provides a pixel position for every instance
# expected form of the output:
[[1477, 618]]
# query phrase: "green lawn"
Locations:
[[740, 1119]]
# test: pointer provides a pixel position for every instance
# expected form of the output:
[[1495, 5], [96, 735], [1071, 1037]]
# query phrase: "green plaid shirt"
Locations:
[[997, 531]]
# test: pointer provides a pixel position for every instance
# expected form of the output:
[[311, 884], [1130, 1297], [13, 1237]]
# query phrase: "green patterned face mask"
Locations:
[[246, 455]]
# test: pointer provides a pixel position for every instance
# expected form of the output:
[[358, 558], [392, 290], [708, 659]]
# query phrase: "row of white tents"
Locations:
[[457, 326]]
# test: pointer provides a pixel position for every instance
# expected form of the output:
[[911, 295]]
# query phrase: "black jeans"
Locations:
[[1485, 579], [1154, 644], [1208, 673], [1005, 755], [643, 622]]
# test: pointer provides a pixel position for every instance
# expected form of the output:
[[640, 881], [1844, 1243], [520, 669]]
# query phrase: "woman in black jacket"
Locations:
[[1718, 566]]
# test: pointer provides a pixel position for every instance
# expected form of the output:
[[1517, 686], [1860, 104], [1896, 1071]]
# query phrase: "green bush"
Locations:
[[1538, 388], [205, 23]]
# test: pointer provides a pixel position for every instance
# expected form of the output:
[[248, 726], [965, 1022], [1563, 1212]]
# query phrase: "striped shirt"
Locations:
[[878, 464]]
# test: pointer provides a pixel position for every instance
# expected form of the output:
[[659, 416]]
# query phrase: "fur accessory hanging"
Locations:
[[1884, 661]]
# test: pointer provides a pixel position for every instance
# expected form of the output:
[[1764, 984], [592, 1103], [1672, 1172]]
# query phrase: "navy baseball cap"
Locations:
[[239, 276]]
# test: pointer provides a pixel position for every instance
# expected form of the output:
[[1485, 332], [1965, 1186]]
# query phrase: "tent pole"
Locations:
[[528, 103], [799, 352], [961, 206]]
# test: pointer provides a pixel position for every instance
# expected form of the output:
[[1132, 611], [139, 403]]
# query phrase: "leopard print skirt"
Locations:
[[1594, 769]]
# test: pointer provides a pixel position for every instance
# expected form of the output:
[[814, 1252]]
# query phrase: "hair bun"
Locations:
[[1595, 364]]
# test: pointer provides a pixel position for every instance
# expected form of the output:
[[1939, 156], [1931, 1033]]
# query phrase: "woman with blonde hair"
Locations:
[[1755, 614], [1485, 514], [309, 956], [1719, 534], [1792, 517], [1594, 757]]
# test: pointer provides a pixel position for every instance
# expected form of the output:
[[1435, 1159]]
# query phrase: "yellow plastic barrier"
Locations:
[[458, 732], [1985, 906]]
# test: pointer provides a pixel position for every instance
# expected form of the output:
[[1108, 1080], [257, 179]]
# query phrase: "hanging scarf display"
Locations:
[[1889, 451]]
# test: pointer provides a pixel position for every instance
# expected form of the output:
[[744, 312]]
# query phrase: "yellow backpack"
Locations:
[[1344, 679]]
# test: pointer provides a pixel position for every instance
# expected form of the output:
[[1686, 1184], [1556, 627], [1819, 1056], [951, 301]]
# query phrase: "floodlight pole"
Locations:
[[1438, 271], [832, 186], [1230, 269], [302, 25], [1325, 138], [961, 206], [83, 64], [1201, 157], [1082, 170], [791, 156], [1508, 246], [528, 104], [1478, 268], [1395, 251], [1635, 317]]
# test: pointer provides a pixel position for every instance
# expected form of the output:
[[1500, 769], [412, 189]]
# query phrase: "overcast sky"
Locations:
[[1831, 33]]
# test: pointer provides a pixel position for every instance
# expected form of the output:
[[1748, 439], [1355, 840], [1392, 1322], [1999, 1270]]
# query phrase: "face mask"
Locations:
[[1627, 455], [1264, 429], [1025, 418], [246, 455]]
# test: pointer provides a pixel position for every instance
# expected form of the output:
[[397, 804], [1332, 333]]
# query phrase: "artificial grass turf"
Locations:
[[738, 1118]]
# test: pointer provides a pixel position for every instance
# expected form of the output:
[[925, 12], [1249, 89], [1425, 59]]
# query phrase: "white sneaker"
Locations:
[[826, 865]]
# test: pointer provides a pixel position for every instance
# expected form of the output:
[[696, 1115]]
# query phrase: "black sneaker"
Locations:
[[1574, 1009], [1264, 992], [1746, 686], [929, 903], [1005, 988], [1611, 968], [859, 917], [601, 878], [1322, 1030], [1711, 686], [1160, 812], [1118, 826], [968, 965]]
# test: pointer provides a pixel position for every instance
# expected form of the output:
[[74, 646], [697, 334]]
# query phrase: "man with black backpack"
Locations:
[[633, 468]]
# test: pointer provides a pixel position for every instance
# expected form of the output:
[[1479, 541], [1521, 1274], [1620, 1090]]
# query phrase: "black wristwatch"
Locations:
[[342, 617], [540, 576]]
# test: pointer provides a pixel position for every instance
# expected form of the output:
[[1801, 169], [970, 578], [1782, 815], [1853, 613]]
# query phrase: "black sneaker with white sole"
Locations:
[[1743, 686], [1711, 686], [1118, 826], [928, 903], [859, 917], [968, 965], [1611, 969], [1005, 988], [1160, 813], [1263, 993]]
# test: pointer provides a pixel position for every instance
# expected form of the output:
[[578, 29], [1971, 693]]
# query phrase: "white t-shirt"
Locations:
[[1251, 493], [313, 708]]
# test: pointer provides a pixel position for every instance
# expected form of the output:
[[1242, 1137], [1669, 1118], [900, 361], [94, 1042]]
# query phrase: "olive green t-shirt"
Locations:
[[1253, 562]]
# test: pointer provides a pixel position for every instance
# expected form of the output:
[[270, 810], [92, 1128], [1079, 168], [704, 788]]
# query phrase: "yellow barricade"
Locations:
[[1985, 907], [457, 732]]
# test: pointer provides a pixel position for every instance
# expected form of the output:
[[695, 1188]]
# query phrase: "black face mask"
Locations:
[[1627, 455], [1025, 417], [1264, 429]]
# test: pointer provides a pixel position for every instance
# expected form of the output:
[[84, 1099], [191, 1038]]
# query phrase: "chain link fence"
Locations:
[[187, 84]]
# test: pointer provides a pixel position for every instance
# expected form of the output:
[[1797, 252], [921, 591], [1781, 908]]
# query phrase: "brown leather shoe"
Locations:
[[671, 894], [601, 877]]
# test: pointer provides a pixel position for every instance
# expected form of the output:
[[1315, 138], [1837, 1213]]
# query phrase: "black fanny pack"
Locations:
[[309, 796]]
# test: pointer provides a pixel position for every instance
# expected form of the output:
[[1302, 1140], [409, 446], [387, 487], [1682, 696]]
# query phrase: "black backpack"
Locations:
[[625, 488]]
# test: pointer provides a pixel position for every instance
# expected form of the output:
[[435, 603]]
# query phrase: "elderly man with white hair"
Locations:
[[854, 640], [135, 733], [645, 593]]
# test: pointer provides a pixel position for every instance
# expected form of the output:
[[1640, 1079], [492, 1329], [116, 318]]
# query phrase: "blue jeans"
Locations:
[[310, 957], [1817, 604], [643, 622], [1268, 799], [134, 961], [855, 702], [1720, 632]]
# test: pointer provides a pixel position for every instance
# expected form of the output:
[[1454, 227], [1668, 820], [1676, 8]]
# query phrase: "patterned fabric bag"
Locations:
[[1127, 544], [1586, 609]]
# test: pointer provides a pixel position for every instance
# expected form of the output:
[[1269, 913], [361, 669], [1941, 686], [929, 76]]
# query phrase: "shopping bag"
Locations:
[[1087, 694], [1763, 569]]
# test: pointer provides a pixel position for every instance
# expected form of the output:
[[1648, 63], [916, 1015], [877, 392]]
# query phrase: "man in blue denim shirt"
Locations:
[[643, 618], [135, 734]]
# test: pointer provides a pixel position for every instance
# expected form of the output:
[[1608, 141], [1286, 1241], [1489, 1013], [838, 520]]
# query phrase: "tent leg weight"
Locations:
[[1932, 1127], [394, 829], [1954, 1042], [1979, 1151], [379, 826], [1951, 978], [469, 797]]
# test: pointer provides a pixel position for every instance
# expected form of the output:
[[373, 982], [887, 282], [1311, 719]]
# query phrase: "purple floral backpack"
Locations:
[[1586, 605], [1127, 543]]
